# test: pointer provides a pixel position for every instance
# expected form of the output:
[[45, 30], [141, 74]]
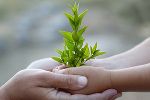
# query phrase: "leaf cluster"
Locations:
[[75, 53]]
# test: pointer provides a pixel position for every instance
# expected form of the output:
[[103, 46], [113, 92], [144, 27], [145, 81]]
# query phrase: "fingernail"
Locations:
[[82, 81]]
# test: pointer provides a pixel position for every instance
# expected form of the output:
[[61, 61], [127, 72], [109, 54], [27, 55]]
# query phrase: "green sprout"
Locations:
[[75, 53]]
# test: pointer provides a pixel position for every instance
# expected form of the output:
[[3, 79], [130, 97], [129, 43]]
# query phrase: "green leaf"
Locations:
[[69, 44], [87, 51], [71, 19], [79, 63], [64, 56], [80, 43], [71, 55], [66, 53], [75, 36], [67, 35], [59, 51], [84, 48], [80, 33], [69, 16], [94, 48], [75, 8], [98, 52], [82, 15], [57, 59], [91, 49]]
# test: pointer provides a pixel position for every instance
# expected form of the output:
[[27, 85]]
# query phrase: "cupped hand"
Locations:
[[49, 64], [99, 79], [37, 84]]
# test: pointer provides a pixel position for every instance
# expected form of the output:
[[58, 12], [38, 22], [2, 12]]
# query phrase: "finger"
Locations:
[[55, 70], [67, 96], [58, 95], [61, 67], [72, 82], [46, 64], [109, 94], [42, 94], [116, 96]]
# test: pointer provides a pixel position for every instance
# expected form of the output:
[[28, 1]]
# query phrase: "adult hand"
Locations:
[[37, 84]]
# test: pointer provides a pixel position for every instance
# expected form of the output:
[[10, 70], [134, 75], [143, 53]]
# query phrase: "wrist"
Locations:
[[3, 94], [109, 72], [112, 79], [118, 81], [104, 77]]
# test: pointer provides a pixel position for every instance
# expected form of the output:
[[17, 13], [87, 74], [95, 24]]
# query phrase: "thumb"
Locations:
[[71, 82]]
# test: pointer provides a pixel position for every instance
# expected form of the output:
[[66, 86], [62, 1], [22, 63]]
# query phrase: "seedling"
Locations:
[[75, 53]]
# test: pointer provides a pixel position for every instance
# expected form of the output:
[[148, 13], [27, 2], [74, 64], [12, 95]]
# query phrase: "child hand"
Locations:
[[99, 79]]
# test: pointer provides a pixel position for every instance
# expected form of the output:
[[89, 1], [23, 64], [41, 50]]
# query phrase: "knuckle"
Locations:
[[21, 77], [69, 81], [22, 73], [56, 81], [43, 76]]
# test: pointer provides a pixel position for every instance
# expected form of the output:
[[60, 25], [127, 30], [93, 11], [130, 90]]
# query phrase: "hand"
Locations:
[[50, 64], [107, 63], [99, 79], [36, 84], [46, 64]]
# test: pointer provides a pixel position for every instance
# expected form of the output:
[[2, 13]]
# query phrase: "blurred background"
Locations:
[[29, 30]]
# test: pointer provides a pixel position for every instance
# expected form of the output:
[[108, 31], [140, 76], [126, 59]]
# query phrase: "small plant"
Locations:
[[75, 54]]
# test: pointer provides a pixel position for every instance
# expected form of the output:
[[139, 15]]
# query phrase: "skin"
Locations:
[[38, 82], [135, 79], [98, 78], [138, 55], [123, 80]]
